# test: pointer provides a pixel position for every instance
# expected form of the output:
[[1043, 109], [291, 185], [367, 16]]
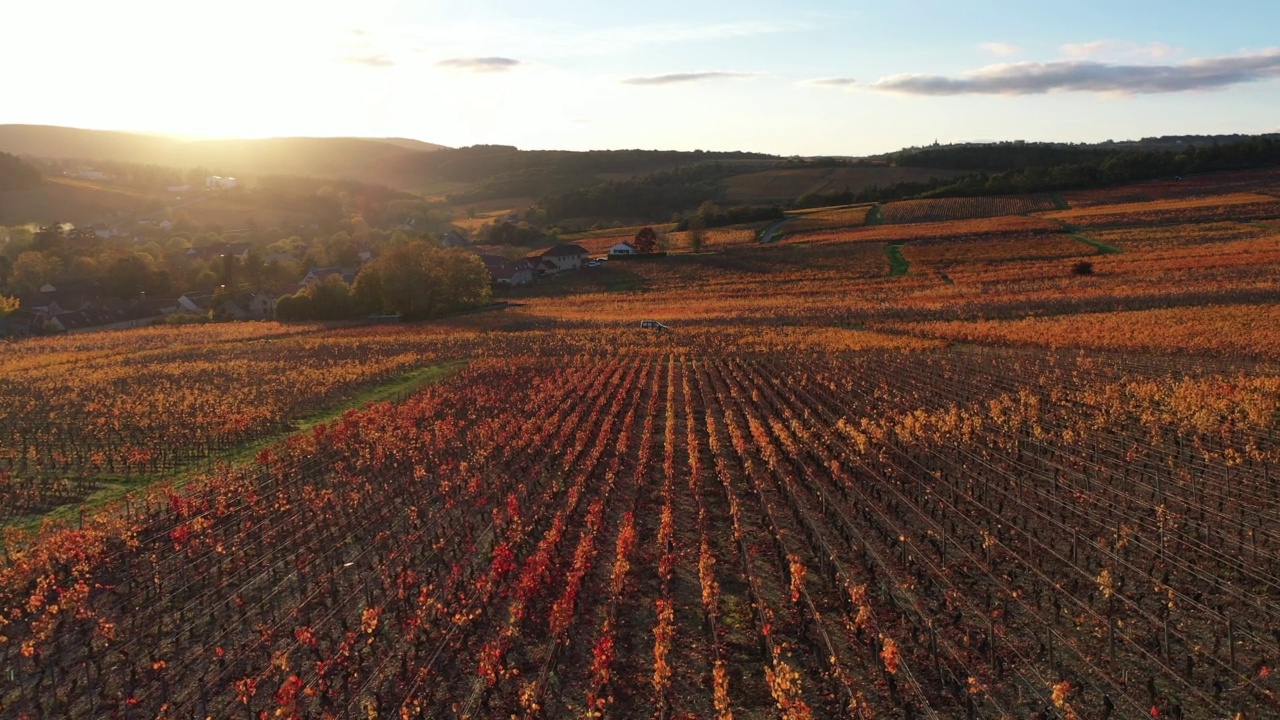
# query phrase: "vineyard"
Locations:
[[972, 229], [878, 534], [827, 219], [71, 414], [1260, 181], [1236, 330], [1166, 237], [950, 209], [1236, 206], [1036, 247], [1000, 485]]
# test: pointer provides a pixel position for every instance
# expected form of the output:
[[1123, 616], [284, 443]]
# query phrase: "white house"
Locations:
[[561, 257], [623, 248]]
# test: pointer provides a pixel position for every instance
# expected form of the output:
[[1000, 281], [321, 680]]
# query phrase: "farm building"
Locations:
[[623, 248]]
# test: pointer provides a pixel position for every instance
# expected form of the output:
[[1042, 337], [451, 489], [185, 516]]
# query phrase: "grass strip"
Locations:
[[898, 264], [116, 487], [1103, 248]]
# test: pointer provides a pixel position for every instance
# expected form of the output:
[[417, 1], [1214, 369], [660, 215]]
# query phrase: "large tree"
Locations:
[[421, 280], [33, 269]]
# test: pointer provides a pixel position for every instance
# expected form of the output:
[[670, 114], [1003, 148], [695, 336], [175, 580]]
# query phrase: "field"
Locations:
[[75, 201], [948, 209], [993, 486], [972, 228], [87, 202], [826, 219], [1236, 206]]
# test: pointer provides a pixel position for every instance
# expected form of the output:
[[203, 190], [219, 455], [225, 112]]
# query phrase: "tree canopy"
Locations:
[[420, 280]]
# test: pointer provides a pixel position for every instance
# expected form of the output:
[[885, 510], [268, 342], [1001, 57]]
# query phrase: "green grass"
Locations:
[[898, 264], [1058, 202], [875, 216], [1103, 248], [115, 488]]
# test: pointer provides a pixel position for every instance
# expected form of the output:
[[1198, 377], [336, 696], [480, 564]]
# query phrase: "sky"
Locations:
[[805, 77]]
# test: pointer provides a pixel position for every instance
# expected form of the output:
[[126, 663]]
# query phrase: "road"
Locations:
[[767, 235]]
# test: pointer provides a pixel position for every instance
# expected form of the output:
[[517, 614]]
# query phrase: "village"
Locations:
[[82, 305]]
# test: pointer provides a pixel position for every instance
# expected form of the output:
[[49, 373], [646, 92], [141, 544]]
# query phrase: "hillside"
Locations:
[[474, 173], [354, 158], [785, 184]]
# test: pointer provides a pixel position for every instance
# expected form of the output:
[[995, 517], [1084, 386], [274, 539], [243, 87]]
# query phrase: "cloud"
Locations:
[[553, 39], [832, 82], [1118, 49], [480, 64], [1032, 78], [1001, 49], [678, 78], [632, 37], [378, 61]]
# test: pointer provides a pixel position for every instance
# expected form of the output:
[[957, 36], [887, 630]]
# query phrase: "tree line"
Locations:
[[1045, 167], [17, 174], [416, 281]]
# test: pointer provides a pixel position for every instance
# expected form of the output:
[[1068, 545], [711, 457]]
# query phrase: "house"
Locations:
[[287, 290], [507, 272], [199, 301], [233, 309], [166, 225], [66, 296], [72, 321], [315, 275], [261, 305], [624, 248], [453, 239], [559, 258], [156, 307], [178, 188], [21, 323]]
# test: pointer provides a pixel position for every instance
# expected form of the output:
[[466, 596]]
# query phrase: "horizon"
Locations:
[[377, 138], [827, 80]]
